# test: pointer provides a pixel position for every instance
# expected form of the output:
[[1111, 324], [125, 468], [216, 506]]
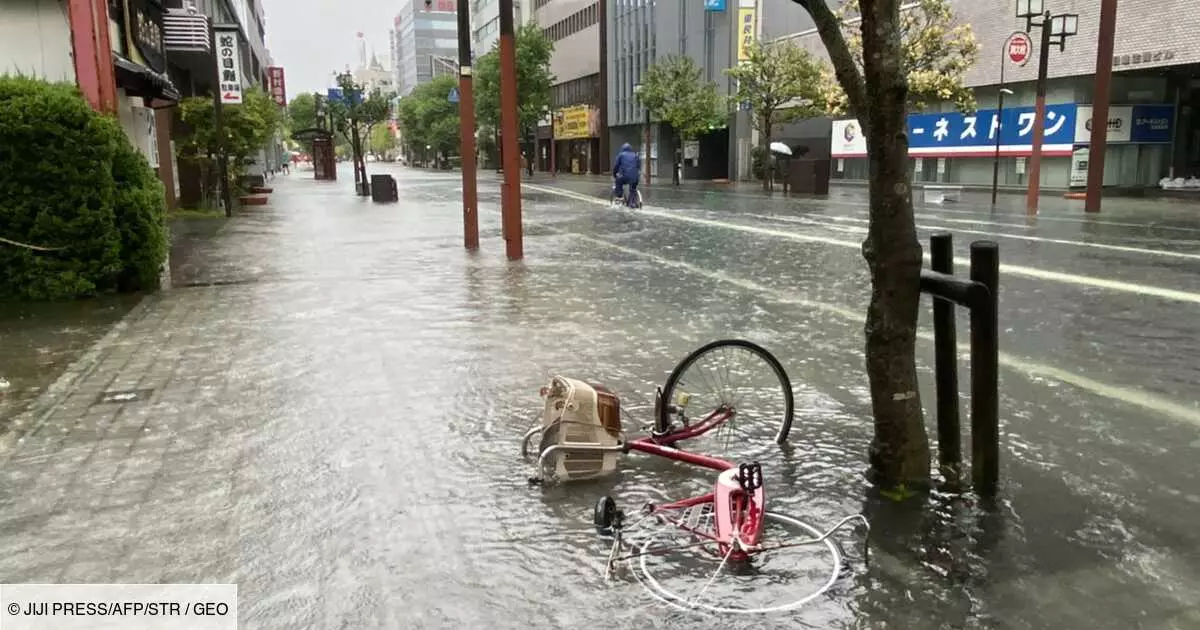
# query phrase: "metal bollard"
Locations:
[[985, 353], [945, 358]]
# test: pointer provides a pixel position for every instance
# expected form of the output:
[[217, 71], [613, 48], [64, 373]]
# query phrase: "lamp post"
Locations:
[[1056, 29], [637, 91], [999, 118]]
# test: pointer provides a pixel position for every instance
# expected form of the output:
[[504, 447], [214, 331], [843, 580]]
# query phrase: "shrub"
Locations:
[[140, 206], [69, 179]]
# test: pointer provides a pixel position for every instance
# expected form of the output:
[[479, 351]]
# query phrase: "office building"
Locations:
[[425, 41], [578, 93]]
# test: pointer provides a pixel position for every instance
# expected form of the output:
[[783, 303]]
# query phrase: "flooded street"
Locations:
[[327, 408]]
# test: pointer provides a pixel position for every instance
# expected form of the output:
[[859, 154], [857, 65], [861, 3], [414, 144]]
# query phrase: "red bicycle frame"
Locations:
[[738, 514]]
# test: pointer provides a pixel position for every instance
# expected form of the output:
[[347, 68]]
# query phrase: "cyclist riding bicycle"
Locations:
[[627, 169]]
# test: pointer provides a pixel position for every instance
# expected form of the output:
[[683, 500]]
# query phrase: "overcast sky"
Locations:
[[312, 38]]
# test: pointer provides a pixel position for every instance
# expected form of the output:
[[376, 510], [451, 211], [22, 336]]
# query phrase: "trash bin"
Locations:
[[383, 189]]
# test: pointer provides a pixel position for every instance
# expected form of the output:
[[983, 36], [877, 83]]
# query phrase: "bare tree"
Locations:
[[878, 96]]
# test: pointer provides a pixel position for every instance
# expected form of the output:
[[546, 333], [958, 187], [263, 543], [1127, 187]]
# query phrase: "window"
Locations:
[[588, 16]]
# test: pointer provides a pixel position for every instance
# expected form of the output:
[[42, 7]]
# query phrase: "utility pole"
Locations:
[[1100, 102], [466, 117], [1039, 120], [510, 196]]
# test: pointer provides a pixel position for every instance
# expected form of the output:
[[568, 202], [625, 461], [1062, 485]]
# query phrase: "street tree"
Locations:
[[534, 81], [674, 92], [874, 77], [354, 115], [247, 128], [301, 115], [780, 82], [428, 118], [936, 52]]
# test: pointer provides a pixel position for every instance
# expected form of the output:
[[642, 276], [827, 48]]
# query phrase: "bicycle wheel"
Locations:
[[735, 374]]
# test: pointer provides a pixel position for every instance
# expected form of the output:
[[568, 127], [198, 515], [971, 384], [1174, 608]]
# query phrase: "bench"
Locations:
[[942, 194]]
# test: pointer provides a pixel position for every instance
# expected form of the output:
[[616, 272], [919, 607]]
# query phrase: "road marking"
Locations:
[[1031, 369], [979, 209], [1023, 237], [1016, 270]]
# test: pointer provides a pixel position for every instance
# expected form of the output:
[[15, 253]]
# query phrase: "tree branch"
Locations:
[[844, 67]]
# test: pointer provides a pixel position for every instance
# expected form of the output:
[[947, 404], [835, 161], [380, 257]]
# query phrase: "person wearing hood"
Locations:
[[627, 169]]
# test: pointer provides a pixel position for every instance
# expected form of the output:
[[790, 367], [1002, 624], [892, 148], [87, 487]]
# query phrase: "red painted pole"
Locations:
[[511, 152], [1100, 101], [1039, 121], [466, 121]]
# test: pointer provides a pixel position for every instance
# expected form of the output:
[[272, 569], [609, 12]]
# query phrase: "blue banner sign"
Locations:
[[1153, 124], [715, 6], [954, 134]]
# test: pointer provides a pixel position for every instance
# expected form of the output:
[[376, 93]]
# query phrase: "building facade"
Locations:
[[485, 21], [1154, 128], [423, 40], [578, 93]]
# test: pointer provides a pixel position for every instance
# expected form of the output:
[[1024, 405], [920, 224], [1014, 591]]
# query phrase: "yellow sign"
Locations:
[[746, 28], [573, 122]]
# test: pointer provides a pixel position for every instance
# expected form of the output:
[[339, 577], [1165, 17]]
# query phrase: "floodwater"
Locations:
[[374, 380]]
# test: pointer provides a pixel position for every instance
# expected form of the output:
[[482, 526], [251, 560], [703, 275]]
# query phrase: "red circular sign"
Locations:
[[1019, 48]]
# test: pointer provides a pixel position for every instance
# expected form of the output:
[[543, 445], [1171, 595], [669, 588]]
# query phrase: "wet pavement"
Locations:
[[329, 402]]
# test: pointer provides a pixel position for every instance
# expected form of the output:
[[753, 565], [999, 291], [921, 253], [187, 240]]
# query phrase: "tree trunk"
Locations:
[[900, 451], [764, 143]]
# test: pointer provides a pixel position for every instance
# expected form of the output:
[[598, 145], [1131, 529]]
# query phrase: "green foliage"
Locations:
[[141, 208], [71, 181], [301, 115], [246, 129], [673, 92], [938, 52], [381, 140], [781, 82], [428, 118], [534, 81]]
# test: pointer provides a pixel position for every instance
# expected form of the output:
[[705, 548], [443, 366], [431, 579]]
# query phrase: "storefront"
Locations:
[[143, 89], [576, 141], [955, 147]]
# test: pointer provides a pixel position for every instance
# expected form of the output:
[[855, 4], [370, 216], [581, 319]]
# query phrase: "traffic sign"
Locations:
[[1019, 48], [453, 96]]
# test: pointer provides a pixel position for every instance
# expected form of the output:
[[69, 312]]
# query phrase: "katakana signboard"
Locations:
[[229, 66], [278, 86], [955, 134]]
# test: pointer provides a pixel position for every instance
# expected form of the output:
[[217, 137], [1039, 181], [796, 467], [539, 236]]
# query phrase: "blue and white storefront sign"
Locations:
[[955, 134], [1136, 124], [715, 6]]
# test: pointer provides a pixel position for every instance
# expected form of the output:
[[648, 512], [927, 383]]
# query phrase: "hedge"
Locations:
[[71, 181]]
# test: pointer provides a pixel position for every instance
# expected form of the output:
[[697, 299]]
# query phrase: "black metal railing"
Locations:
[[980, 294]]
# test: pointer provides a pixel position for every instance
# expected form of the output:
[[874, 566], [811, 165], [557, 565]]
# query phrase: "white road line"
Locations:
[[1016, 270], [1023, 237], [1032, 369], [980, 210]]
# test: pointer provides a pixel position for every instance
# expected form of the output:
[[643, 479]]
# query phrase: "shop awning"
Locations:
[[138, 80]]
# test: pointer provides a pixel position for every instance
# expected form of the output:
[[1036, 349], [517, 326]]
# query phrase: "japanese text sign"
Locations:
[[229, 66], [950, 134], [745, 32], [278, 87]]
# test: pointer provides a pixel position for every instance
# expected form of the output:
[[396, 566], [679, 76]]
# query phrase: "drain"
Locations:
[[124, 396]]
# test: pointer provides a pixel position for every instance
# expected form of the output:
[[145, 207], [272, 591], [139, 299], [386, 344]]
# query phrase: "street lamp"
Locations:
[[999, 119], [1057, 28], [637, 91]]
